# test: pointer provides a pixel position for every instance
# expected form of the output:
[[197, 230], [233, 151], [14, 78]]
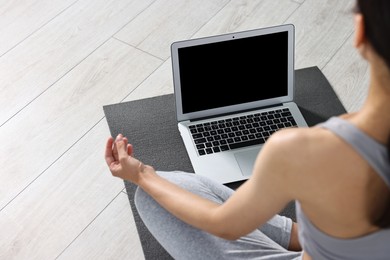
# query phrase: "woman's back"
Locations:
[[352, 175]]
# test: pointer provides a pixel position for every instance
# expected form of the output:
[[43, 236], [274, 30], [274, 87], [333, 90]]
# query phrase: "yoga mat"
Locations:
[[151, 126]]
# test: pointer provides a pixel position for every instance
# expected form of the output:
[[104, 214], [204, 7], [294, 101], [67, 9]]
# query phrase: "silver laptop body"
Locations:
[[225, 80]]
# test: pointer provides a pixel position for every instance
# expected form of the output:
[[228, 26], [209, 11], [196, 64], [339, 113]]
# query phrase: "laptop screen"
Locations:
[[232, 72]]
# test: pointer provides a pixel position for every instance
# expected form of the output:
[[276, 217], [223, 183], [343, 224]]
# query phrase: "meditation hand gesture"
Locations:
[[120, 160]]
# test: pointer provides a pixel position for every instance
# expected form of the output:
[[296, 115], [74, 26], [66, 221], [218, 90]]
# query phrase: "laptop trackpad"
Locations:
[[246, 160]]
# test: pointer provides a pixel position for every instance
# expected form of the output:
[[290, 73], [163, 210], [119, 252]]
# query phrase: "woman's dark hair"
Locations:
[[376, 15]]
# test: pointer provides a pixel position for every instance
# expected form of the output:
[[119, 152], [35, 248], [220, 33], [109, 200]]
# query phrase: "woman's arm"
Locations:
[[256, 201], [268, 190]]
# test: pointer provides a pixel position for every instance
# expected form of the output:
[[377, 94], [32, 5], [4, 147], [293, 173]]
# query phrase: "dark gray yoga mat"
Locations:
[[150, 125]]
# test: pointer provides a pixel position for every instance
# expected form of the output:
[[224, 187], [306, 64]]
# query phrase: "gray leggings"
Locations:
[[183, 241]]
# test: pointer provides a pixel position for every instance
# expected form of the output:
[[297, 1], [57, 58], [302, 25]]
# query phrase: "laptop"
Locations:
[[232, 92]]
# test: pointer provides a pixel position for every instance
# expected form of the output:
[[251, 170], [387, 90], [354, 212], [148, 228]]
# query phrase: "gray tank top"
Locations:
[[372, 246]]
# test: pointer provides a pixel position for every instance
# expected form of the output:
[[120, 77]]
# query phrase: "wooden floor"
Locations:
[[61, 61]]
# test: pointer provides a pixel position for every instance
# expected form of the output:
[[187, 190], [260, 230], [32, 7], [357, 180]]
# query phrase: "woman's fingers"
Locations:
[[122, 149], [108, 153]]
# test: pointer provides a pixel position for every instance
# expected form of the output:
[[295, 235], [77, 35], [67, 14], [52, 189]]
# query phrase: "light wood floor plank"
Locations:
[[246, 15], [322, 27], [158, 83], [59, 117], [166, 21], [348, 73], [19, 19], [42, 59], [299, 1], [43, 220], [113, 235]]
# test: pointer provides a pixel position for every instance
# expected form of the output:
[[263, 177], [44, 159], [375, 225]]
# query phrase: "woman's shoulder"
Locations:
[[303, 143], [309, 155]]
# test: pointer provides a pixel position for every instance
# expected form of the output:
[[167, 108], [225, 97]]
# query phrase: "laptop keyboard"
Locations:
[[238, 132]]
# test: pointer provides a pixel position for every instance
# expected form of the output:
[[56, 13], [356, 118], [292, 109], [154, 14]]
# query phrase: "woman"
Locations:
[[341, 188]]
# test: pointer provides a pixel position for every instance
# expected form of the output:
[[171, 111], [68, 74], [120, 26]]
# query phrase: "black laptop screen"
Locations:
[[234, 71]]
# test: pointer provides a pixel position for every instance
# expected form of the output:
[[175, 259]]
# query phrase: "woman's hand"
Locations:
[[120, 160]]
